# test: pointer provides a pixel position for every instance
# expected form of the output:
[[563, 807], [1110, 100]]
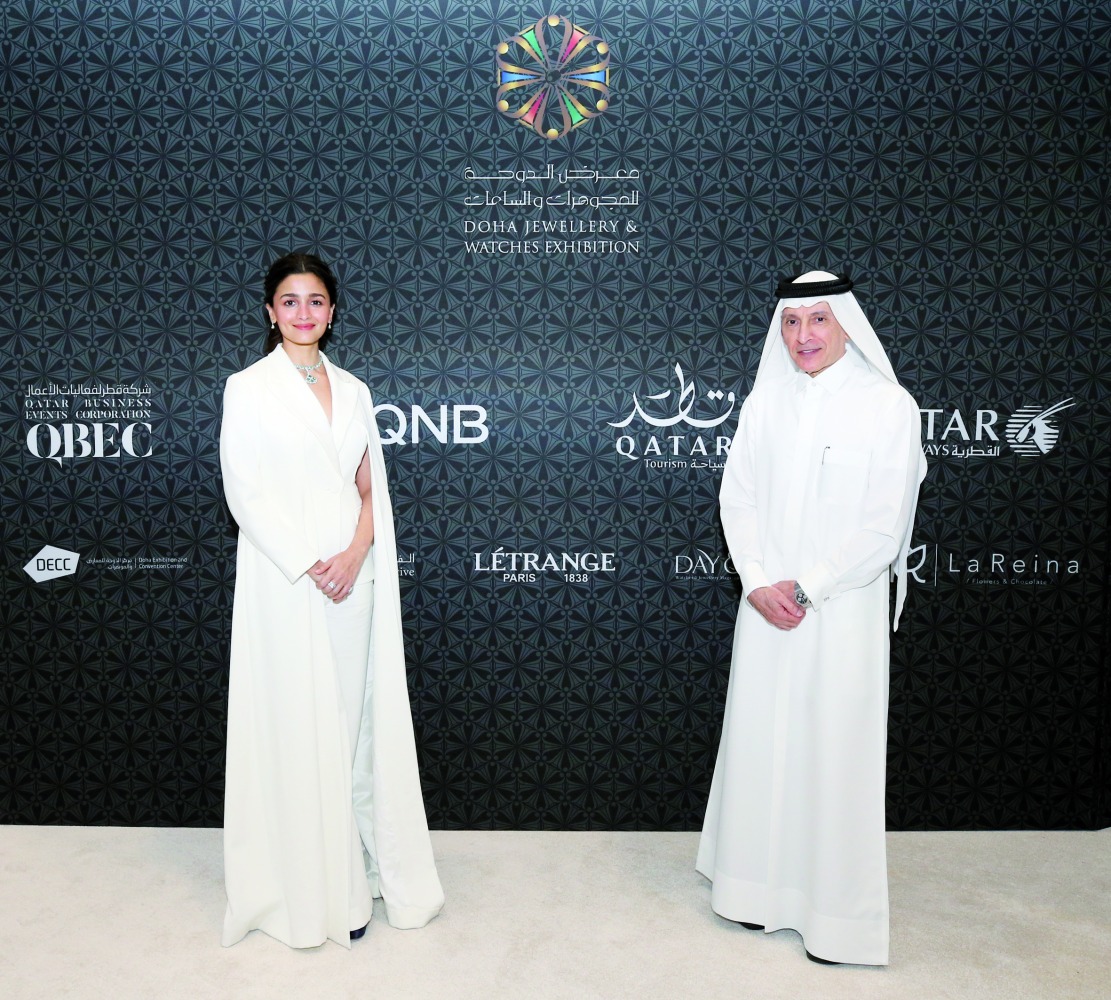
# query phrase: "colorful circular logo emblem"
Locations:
[[553, 77]]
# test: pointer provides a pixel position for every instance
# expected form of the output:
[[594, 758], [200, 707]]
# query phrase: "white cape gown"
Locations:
[[293, 798]]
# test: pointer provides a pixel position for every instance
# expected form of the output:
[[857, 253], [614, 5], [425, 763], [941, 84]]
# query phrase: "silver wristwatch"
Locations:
[[800, 597]]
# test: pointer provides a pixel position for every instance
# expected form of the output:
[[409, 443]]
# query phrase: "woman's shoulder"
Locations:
[[254, 371]]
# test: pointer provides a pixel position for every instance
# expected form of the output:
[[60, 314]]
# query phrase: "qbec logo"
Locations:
[[51, 563]]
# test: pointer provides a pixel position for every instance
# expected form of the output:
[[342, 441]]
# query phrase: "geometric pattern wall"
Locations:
[[559, 333]]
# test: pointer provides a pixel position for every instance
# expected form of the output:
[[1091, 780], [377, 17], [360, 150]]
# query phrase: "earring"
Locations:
[[273, 326]]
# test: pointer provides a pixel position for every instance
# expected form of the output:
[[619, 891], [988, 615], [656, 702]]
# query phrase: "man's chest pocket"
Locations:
[[843, 476]]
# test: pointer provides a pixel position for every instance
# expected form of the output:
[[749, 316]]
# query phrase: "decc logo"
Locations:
[[51, 563]]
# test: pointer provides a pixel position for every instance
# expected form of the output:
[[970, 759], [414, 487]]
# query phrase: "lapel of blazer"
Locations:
[[288, 385], [345, 397]]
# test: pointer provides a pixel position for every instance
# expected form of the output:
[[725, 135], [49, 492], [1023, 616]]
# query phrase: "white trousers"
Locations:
[[349, 633]]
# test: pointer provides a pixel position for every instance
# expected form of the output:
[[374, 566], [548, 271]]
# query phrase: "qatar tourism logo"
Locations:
[[552, 77], [662, 430]]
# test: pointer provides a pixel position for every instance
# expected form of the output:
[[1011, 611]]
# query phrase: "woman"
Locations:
[[323, 807]]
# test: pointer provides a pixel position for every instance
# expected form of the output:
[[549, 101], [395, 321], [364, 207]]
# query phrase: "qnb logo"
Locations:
[[459, 424], [552, 77], [1031, 431], [51, 563]]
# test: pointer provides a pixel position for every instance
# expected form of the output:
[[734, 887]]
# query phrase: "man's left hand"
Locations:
[[777, 605]]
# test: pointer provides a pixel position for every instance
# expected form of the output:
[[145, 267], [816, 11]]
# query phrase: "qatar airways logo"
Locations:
[[1031, 431], [677, 428], [458, 423]]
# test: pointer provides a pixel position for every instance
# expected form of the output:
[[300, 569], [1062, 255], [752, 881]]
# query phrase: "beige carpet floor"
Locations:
[[122, 913]]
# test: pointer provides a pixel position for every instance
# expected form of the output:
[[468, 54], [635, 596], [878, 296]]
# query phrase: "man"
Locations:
[[817, 501]]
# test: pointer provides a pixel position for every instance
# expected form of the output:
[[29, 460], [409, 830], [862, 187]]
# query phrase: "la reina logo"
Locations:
[[552, 77], [931, 564]]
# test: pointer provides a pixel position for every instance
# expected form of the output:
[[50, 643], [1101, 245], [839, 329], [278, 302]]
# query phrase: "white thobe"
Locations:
[[323, 805], [819, 487]]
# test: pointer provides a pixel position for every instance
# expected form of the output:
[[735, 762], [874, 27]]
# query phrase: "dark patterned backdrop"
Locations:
[[560, 332]]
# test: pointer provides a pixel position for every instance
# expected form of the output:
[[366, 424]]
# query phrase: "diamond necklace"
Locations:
[[308, 370]]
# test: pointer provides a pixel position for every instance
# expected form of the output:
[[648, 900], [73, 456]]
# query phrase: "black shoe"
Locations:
[[358, 933], [751, 927], [820, 961]]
